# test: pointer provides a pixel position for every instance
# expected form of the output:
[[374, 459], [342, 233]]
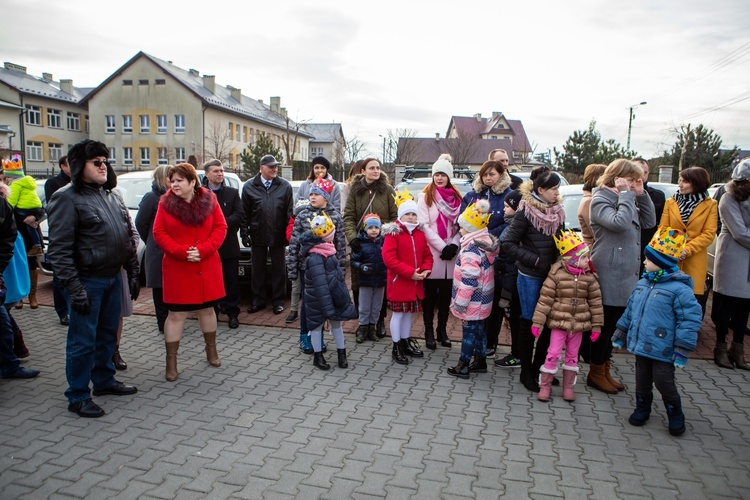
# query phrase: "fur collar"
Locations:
[[357, 185], [497, 188], [194, 213], [395, 228], [546, 219], [525, 190]]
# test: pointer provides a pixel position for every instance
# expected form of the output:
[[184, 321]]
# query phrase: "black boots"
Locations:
[[399, 356], [442, 336], [737, 356], [525, 354], [676, 417], [371, 333], [361, 334], [461, 370], [411, 348], [479, 365], [320, 361], [721, 357], [429, 337], [342, 358], [120, 363], [380, 328], [642, 409]]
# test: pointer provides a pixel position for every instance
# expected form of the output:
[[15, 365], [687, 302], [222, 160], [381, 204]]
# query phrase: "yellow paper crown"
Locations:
[[568, 241], [477, 214], [402, 196], [13, 164], [321, 225], [668, 241]]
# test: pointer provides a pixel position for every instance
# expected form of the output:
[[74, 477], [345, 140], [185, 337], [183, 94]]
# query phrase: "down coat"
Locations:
[[496, 196], [326, 294], [404, 253], [358, 203], [569, 302], [295, 262], [370, 256], [180, 225], [474, 277]]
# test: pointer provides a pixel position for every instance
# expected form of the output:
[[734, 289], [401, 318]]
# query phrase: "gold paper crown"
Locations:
[[321, 225], [668, 241], [568, 241], [14, 164], [402, 196], [477, 214]]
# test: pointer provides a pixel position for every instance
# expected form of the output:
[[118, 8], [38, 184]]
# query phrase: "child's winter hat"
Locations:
[[665, 247], [371, 220], [13, 167], [322, 226], [405, 203], [570, 244], [513, 199], [742, 171], [476, 216], [323, 187], [443, 165]]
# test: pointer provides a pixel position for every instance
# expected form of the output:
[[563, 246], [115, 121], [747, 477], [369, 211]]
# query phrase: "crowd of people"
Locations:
[[633, 277]]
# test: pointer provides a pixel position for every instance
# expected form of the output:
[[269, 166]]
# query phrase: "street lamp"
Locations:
[[383, 147], [630, 121]]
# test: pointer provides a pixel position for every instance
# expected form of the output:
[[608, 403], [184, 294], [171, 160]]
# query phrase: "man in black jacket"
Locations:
[[229, 251], [90, 241], [50, 187], [267, 200], [657, 197]]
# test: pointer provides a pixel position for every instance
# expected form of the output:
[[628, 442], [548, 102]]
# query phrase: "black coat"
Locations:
[[144, 223], [370, 256], [231, 206], [657, 197], [267, 211], [8, 234], [55, 183]]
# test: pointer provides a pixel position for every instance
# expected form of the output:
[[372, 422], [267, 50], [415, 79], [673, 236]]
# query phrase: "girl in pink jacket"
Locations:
[[473, 286]]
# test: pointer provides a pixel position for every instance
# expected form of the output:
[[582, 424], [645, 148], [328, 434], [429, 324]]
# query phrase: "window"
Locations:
[[244, 135], [127, 124], [163, 158], [145, 156], [516, 154], [179, 124], [127, 82], [86, 123], [161, 124], [145, 124], [54, 119], [33, 115], [34, 151], [109, 127], [231, 130], [179, 155], [142, 82], [74, 121], [237, 132], [160, 82], [113, 156], [127, 156], [55, 152]]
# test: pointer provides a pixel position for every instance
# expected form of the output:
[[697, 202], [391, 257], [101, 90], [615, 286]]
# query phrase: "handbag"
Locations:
[[16, 275]]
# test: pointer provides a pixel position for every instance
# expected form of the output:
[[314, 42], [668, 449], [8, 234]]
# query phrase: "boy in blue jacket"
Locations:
[[367, 262], [660, 326]]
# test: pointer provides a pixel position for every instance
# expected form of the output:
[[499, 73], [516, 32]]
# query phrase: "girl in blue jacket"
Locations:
[[367, 262], [660, 326]]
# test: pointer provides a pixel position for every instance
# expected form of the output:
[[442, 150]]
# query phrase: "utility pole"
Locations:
[[630, 121]]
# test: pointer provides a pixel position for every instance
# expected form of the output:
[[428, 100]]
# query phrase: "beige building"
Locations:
[[40, 117], [328, 140], [151, 112]]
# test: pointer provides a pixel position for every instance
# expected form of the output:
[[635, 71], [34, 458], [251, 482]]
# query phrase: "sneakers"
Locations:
[[508, 361], [305, 345]]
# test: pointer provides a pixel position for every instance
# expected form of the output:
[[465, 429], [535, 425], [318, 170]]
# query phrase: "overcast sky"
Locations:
[[375, 65]]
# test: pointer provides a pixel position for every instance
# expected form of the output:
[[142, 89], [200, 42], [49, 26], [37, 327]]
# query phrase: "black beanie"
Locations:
[[513, 199], [321, 160]]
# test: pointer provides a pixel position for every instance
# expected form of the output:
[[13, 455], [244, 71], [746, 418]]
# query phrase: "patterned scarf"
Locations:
[[448, 205], [655, 276], [687, 203], [546, 221]]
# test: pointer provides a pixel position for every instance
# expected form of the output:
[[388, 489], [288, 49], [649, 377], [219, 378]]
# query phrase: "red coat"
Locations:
[[177, 227], [404, 253]]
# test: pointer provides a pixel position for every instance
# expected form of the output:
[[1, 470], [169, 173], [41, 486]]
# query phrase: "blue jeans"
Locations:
[[92, 339], [528, 294], [9, 362], [59, 298], [474, 341]]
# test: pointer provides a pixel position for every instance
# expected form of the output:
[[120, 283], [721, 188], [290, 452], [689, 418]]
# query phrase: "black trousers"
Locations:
[[601, 350], [159, 307], [260, 278], [230, 269], [650, 372], [494, 323], [437, 293], [730, 313], [532, 360]]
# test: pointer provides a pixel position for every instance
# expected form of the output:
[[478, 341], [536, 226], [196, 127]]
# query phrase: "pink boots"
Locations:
[[569, 380]]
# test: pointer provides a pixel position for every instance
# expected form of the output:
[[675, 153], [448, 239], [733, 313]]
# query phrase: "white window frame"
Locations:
[[33, 115], [113, 156], [54, 118], [161, 124], [163, 156], [127, 156], [74, 121], [179, 124], [127, 124], [110, 124], [34, 151], [179, 154], [145, 156], [55, 151], [145, 124]]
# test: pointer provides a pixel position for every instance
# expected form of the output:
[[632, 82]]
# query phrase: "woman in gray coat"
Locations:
[[619, 209], [731, 303]]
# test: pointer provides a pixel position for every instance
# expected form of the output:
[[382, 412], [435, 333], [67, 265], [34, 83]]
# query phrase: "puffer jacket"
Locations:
[[427, 215], [303, 193], [23, 194], [496, 196], [295, 262], [569, 302], [326, 294], [370, 257], [660, 317], [358, 200], [267, 211], [533, 251], [506, 272], [474, 277], [404, 253], [144, 223]]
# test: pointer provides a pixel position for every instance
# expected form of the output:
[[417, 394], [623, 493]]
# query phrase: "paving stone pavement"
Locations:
[[267, 424]]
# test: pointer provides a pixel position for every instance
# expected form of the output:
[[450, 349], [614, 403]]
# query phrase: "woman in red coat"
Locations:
[[189, 227]]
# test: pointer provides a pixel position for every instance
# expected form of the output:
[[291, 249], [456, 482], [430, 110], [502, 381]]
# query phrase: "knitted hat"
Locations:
[[371, 220], [570, 244], [13, 167], [665, 247], [323, 187], [321, 160], [322, 226], [443, 165], [513, 199], [742, 171], [405, 202], [476, 216]]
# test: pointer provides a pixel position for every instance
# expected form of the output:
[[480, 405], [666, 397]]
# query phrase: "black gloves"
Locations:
[[365, 269], [135, 287], [3, 290], [80, 303], [246, 241], [356, 245], [449, 252]]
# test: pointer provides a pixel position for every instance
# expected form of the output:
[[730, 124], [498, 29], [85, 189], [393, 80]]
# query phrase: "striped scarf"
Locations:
[[687, 203]]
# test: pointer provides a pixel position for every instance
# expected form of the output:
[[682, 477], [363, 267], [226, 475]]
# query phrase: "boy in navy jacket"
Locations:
[[367, 262]]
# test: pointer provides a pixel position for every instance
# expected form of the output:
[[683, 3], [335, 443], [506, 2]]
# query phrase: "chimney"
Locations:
[[47, 76], [66, 86], [275, 104], [283, 112], [478, 116], [260, 101], [194, 72], [209, 81], [15, 67], [236, 93], [496, 114], [437, 136]]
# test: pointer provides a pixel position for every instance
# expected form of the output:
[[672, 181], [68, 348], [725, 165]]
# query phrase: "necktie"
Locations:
[[267, 183]]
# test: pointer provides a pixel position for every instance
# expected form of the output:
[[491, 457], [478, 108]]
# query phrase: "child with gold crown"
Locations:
[[570, 303], [660, 326]]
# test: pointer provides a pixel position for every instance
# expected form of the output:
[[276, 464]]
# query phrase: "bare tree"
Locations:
[[461, 148], [353, 149], [217, 143], [290, 137], [339, 152], [406, 148]]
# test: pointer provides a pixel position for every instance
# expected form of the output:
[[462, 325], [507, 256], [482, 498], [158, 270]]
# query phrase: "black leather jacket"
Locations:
[[267, 211], [8, 234]]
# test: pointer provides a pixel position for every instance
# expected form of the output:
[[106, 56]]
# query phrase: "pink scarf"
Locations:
[[448, 205]]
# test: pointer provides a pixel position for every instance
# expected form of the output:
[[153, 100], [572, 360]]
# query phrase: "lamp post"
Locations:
[[383, 147], [630, 121]]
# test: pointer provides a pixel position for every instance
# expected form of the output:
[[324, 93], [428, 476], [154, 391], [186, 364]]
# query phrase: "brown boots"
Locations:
[[597, 378], [172, 348], [736, 355], [607, 373], [211, 354], [34, 275]]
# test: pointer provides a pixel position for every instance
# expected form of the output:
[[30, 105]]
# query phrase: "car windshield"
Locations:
[[133, 189], [570, 204]]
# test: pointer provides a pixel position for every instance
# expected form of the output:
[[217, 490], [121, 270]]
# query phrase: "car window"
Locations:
[[570, 204], [133, 189]]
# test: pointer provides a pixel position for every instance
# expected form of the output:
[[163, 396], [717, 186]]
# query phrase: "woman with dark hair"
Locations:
[[731, 300], [620, 208], [695, 213], [438, 210], [492, 183], [320, 168], [189, 228], [530, 242]]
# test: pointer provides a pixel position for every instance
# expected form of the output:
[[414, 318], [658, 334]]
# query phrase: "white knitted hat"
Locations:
[[444, 165]]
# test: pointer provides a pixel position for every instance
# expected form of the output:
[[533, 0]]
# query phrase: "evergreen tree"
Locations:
[[254, 152], [699, 146], [585, 147]]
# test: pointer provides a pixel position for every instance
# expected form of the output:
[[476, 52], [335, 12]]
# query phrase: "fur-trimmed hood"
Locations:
[[497, 188], [526, 190], [193, 213], [357, 184], [395, 228]]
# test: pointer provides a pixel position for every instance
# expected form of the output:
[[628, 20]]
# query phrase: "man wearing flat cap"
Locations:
[[267, 200]]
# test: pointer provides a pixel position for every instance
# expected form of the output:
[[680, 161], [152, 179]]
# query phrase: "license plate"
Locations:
[[241, 271]]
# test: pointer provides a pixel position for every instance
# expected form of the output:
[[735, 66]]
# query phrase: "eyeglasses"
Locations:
[[99, 163]]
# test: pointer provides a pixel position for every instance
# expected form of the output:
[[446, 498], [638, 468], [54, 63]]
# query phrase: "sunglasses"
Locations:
[[99, 163]]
